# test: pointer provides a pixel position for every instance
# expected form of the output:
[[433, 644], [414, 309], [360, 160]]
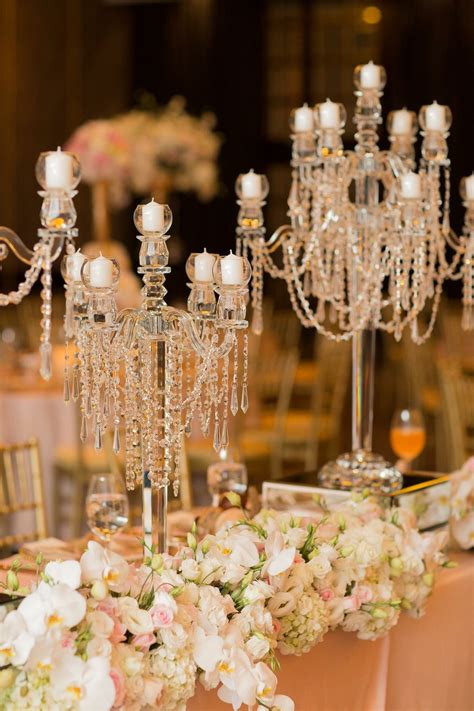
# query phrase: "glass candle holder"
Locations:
[[252, 187], [152, 218], [58, 171]]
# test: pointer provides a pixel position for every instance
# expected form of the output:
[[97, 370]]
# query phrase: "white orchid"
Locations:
[[97, 563], [279, 556], [51, 608], [16, 642], [65, 571], [87, 686]]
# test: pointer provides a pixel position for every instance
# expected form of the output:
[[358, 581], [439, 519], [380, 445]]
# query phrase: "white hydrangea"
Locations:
[[305, 625], [177, 670]]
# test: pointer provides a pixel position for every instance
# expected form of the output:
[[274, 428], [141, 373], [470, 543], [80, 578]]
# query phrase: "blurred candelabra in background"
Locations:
[[368, 242]]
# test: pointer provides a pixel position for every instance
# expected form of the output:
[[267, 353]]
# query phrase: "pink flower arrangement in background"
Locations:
[[141, 151], [101, 634]]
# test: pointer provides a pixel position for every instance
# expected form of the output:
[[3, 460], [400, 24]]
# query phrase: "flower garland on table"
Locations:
[[100, 634], [141, 151], [462, 505]]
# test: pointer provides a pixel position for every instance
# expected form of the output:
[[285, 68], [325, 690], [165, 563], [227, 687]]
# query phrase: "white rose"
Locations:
[[101, 624], [132, 665], [190, 569], [137, 621], [99, 647], [319, 566], [257, 647], [296, 537]]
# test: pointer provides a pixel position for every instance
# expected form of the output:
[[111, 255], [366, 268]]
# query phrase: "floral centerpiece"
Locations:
[[142, 152], [100, 633]]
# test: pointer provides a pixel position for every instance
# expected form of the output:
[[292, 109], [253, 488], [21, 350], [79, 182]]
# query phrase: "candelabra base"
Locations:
[[361, 470]]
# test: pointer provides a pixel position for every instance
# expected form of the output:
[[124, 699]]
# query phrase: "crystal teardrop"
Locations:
[[234, 400], [217, 440], [83, 434], [244, 402], [75, 383], [187, 428], [257, 321], [116, 442], [45, 361], [224, 435], [98, 438], [67, 394]]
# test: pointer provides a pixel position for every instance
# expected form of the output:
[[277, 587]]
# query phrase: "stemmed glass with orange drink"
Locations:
[[407, 435]]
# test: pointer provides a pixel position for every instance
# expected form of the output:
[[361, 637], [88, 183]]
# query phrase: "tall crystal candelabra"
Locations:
[[147, 371], [367, 243]]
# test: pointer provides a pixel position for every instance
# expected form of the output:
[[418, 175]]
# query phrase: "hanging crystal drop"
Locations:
[[414, 329], [83, 434], [234, 399], [67, 394], [187, 428], [216, 442], [45, 361], [75, 383], [116, 442], [205, 428], [224, 435], [321, 311], [257, 321], [244, 403], [98, 438], [88, 406]]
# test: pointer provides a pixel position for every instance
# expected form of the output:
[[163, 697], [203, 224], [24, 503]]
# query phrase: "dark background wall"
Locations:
[[250, 61]]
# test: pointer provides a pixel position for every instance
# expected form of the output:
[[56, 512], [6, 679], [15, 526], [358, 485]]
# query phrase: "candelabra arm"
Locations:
[[17, 246], [200, 346]]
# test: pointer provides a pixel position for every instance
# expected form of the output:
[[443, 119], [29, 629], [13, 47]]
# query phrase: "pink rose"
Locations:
[[276, 626], [67, 640], [118, 632], [119, 683], [143, 641], [351, 603], [364, 593], [327, 594], [162, 616], [298, 558]]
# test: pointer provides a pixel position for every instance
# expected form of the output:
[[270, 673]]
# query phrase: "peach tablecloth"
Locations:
[[422, 665]]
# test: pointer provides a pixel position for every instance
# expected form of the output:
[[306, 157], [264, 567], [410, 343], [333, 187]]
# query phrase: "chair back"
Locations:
[[21, 490], [457, 390]]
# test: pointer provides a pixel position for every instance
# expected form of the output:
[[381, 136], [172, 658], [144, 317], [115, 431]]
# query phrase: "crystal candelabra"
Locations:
[[366, 247], [58, 173], [152, 368], [156, 366]]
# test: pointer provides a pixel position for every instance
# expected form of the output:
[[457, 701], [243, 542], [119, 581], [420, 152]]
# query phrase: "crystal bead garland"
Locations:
[[156, 367]]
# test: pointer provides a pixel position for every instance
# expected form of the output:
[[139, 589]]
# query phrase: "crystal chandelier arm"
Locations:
[[198, 344], [17, 246]]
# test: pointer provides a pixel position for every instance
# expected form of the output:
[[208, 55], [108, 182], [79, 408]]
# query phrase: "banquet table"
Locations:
[[38, 412], [421, 665]]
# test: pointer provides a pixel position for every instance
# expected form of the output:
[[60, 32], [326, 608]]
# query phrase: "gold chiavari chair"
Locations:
[[457, 391], [21, 490]]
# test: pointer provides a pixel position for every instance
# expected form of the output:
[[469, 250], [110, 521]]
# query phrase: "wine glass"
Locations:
[[106, 505], [226, 475], [407, 435]]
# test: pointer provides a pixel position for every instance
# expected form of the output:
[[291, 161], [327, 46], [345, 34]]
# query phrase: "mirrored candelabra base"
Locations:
[[361, 470]]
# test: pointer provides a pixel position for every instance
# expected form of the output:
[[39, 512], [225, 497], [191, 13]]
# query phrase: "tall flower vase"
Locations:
[[101, 212]]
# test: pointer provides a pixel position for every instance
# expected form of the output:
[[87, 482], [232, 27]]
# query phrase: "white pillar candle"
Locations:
[[58, 170], [304, 119], [153, 217], [101, 272], [74, 265], [469, 187], [232, 270], [329, 116], [401, 122], [435, 117], [370, 76], [203, 266], [251, 185], [410, 185]]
